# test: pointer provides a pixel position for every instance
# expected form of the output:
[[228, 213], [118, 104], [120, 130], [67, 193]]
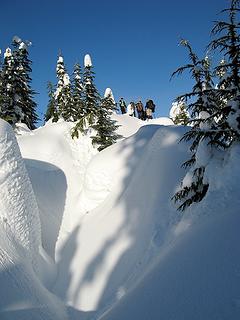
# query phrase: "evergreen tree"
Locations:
[[227, 41], [7, 108], [1, 87], [203, 134], [91, 100], [51, 112], [77, 93], [105, 126], [22, 94], [63, 92]]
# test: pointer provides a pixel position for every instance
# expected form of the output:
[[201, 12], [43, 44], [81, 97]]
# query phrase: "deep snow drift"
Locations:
[[121, 249]]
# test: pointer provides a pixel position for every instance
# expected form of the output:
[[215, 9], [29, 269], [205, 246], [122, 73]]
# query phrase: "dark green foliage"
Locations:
[[215, 126], [17, 102], [91, 102], [182, 117], [77, 93], [227, 41], [51, 112], [193, 193], [202, 108], [63, 94], [7, 110], [105, 126]]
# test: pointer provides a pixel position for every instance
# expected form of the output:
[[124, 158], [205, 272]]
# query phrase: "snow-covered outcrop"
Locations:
[[18, 204]]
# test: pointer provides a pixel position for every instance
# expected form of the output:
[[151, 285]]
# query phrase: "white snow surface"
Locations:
[[121, 249], [18, 204], [7, 53], [108, 92], [87, 61]]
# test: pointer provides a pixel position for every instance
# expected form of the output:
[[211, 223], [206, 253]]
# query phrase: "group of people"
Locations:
[[137, 109]]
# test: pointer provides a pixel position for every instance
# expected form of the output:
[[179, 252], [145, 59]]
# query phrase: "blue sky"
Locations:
[[133, 44]]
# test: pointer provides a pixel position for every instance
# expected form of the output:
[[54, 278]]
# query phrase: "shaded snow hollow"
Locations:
[[121, 249]]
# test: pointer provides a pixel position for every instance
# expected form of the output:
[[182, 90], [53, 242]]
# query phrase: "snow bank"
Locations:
[[56, 156], [129, 186], [22, 296], [18, 204], [196, 276]]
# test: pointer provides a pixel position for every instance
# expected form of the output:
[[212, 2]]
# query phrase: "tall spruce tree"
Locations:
[[203, 133], [77, 93], [17, 102], [63, 95], [22, 91], [51, 112], [91, 100], [105, 126]]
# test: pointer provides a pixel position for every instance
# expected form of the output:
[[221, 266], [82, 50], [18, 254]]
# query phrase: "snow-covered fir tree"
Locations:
[[23, 93], [17, 104], [7, 110], [105, 126], [51, 112], [178, 112], [227, 41], [77, 93], [91, 99], [203, 134], [63, 95]]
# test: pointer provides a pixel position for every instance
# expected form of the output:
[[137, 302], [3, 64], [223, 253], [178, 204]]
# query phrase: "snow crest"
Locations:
[[18, 204]]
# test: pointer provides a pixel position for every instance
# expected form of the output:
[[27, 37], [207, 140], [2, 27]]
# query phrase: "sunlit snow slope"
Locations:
[[121, 249]]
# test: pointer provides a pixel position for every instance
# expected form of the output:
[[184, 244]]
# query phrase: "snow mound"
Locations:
[[18, 204], [128, 212], [54, 150], [22, 260], [197, 276], [23, 297]]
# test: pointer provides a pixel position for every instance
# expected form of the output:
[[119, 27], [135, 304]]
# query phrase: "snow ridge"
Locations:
[[18, 204]]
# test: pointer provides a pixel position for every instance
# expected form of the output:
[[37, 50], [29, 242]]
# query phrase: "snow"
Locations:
[[112, 245], [87, 61], [17, 39], [66, 80], [23, 45], [176, 109], [109, 93], [18, 204], [8, 53], [60, 59], [130, 110]]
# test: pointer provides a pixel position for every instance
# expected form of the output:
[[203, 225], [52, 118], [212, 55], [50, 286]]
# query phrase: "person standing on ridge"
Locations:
[[150, 108], [131, 109], [122, 105], [140, 110]]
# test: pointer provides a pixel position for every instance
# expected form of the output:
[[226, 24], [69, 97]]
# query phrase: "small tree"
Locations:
[[227, 41], [105, 126], [51, 112], [178, 112], [77, 93], [63, 92], [203, 134]]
